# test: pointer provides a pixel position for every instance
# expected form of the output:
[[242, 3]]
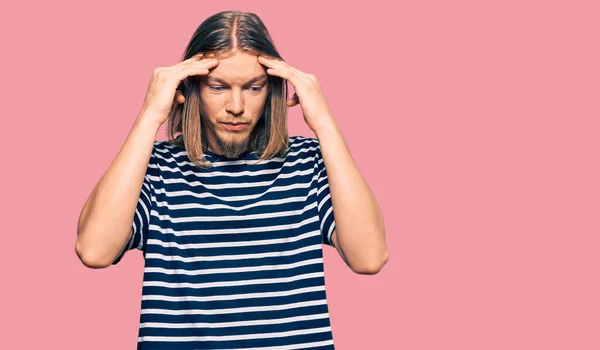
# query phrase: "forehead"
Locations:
[[238, 67]]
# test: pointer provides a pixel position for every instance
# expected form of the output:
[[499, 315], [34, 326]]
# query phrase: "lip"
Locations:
[[235, 126]]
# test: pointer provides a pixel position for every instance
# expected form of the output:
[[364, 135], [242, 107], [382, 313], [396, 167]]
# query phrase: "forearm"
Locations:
[[104, 225], [360, 228]]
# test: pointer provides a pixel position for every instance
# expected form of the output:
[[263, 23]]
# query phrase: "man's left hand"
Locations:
[[308, 93]]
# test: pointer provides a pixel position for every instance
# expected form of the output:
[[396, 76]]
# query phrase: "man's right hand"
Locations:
[[162, 90]]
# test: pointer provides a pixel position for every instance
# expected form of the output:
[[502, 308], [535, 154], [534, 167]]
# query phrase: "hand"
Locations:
[[308, 93], [162, 90]]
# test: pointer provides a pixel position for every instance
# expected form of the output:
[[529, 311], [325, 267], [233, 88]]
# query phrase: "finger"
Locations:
[[191, 71], [191, 59], [292, 68], [211, 62], [293, 101], [285, 74], [179, 98], [278, 64], [192, 62], [269, 62], [199, 66]]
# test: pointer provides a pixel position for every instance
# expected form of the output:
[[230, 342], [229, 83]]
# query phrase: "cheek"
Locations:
[[212, 103], [257, 104]]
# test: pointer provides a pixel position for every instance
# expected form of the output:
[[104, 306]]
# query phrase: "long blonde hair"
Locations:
[[219, 34]]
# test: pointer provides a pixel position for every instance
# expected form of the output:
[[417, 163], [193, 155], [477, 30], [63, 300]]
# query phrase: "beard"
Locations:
[[232, 148], [232, 143]]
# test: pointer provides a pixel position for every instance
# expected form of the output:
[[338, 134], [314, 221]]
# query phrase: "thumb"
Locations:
[[293, 101], [179, 97]]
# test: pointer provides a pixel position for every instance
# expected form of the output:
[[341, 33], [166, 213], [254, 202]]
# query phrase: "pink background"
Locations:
[[476, 125]]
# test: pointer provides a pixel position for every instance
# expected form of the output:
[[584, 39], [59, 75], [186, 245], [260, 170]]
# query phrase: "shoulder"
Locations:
[[167, 156], [307, 148], [309, 145], [166, 150]]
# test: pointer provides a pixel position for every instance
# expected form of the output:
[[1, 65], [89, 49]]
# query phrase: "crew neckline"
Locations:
[[244, 155]]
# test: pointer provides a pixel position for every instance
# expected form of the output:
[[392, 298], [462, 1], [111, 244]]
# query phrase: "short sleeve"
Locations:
[[141, 218], [324, 204]]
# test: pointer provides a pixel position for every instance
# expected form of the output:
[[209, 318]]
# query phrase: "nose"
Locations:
[[235, 105]]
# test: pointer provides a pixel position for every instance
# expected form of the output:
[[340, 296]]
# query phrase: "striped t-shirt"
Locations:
[[233, 253]]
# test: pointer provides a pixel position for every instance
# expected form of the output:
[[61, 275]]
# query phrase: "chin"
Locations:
[[234, 136]]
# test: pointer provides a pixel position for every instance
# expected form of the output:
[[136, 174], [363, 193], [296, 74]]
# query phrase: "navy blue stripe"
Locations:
[[241, 330], [309, 232], [232, 290], [227, 304], [235, 317], [235, 344], [218, 264]]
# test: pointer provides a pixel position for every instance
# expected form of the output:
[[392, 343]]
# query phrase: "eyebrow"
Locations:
[[251, 81]]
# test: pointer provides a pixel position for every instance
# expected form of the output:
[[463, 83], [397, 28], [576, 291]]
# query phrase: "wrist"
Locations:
[[149, 120], [327, 128]]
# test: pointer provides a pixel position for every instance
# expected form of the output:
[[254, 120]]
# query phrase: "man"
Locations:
[[231, 214]]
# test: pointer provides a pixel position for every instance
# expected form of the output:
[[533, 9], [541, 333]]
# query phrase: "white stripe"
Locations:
[[232, 244], [233, 231], [330, 233], [148, 190], [284, 293], [322, 188], [324, 200], [237, 217], [232, 269], [233, 283], [292, 143], [231, 185], [325, 218], [169, 169], [133, 233], [194, 259], [183, 154], [235, 310], [239, 337], [233, 324], [196, 204], [140, 231], [321, 179], [310, 140], [143, 220]]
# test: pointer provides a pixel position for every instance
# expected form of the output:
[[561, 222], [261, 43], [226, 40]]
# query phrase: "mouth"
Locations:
[[236, 126]]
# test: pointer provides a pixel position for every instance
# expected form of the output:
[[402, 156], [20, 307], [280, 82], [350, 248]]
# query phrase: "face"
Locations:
[[233, 95]]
